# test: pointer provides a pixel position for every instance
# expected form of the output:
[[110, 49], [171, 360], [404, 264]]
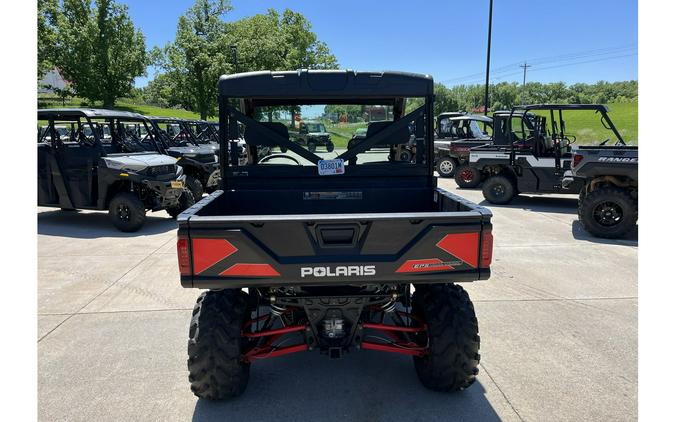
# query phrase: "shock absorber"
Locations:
[[390, 306], [277, 310]]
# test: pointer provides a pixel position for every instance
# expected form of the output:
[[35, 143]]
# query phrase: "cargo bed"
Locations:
[[253, 238]]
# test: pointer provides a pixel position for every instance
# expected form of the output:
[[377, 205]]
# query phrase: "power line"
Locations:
[[518, 72], [508, 69]]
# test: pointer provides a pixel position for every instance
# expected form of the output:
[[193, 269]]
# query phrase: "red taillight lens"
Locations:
[[577, 159], [183, 256], [486, 249]]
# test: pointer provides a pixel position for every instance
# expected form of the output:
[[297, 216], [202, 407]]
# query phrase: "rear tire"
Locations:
[[608, 212], [215, 345], [127, 212], [330, 147], [311, 146], [499, 190], [446, 167], [195, 186], [452, 362], [467, 176]]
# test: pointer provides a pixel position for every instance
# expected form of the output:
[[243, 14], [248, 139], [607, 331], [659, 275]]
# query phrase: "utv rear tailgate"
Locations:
[[323, 249]]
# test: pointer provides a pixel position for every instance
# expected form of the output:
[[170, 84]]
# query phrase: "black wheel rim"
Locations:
[[608, 214], [498, 190], [123, 213], [466, 175]]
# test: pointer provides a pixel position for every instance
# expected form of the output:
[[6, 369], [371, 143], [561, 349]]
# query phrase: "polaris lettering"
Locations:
[[340, 271]]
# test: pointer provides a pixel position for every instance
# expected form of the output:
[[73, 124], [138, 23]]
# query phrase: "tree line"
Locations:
[[504, 95], [96, 47]]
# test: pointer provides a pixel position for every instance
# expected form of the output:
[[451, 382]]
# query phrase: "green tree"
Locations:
[[197, 57], [48, 11], [201, 52], [445, 101], [99, 50]]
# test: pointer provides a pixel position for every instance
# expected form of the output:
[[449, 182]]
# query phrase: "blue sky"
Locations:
[[570, 41]]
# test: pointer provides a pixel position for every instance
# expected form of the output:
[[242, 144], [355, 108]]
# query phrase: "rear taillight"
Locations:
[[576, 159], [486, 249], [183, 249]]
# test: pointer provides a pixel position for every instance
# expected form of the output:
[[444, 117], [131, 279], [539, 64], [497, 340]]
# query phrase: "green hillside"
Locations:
[[588, 129], [585, 126]]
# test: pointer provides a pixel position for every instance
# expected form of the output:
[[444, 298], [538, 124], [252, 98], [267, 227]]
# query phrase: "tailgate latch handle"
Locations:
[[343, 236]]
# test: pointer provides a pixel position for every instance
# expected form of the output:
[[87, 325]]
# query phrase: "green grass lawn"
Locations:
[[126, 105], [586, 126], [341, 133]]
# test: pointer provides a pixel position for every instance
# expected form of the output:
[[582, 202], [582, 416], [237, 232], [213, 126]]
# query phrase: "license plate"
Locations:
[[330, 167], [176, 184]]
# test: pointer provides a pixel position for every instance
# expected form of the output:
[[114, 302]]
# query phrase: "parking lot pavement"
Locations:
[[558, 322]]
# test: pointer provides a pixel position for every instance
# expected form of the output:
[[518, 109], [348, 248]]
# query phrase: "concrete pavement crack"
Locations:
[[561, 299], [106, 289], [502, 392]]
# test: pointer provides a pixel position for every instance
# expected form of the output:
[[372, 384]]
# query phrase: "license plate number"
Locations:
[[176, 184], [330, 167]]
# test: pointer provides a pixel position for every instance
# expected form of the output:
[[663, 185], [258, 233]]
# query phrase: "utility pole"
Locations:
[[487, 70], [524, 67]]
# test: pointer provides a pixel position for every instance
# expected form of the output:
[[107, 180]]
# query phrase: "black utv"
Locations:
[[199, 161], [540, 152], [313, 134], [205, 133], [101, 162]]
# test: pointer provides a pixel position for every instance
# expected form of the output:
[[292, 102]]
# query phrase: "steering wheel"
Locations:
[[283, 156]]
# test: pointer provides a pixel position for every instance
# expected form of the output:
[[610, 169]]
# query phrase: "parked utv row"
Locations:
[[532, 151], [123, 162]]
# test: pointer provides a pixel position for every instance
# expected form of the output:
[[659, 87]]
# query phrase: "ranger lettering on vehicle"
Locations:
[[618, 159], [351, 270]]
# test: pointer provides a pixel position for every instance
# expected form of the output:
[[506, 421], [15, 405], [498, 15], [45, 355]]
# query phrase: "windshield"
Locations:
[[315, 127], [173, 134], [283, 135], [476, 130], [581, 127]]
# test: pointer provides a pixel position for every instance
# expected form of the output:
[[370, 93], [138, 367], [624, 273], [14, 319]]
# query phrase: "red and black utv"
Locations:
[[299, 253]]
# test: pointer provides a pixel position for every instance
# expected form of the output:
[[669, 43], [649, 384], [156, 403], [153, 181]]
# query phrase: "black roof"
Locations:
[[164, 119], [562, 107], [325, 85], [86, 112]]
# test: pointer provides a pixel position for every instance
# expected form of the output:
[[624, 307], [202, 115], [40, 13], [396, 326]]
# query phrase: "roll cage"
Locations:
[[125, 138], [183, 136], [241, 94], [545, 142]]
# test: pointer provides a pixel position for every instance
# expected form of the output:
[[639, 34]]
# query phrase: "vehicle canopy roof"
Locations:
[[452, 114], [477, 117], [598, 107], [165, 119], [71, 113], [508, 112], [324, 86]]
